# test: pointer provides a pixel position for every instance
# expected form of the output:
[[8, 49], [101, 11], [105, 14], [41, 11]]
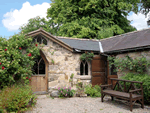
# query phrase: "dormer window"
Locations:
[[40, 40]]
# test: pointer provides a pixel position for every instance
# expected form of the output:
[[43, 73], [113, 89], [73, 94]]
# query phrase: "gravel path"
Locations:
[[84, 105]]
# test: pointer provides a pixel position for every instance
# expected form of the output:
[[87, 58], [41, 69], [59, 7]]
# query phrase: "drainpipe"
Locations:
[[101, 49], [102, 52]]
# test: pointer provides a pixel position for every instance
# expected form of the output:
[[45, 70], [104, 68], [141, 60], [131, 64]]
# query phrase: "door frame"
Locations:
[[46, 70]]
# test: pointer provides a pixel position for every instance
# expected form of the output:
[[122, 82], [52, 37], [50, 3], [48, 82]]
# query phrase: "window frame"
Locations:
[[89, 68], [42, 39], [38, 65]]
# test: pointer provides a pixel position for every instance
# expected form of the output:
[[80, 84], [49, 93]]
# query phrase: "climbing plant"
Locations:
[[16, 59], [87, 56], [138, 64]]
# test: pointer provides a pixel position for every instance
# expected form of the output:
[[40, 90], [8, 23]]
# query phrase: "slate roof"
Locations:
[[136, 39], [81, 44]]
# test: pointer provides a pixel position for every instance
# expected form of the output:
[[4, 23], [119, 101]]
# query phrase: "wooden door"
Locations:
[[39, 81], [99, 70]]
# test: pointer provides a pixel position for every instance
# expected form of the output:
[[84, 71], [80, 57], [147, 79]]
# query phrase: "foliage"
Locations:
[[66, 92], [142, 78], [70, 80], [16, 98], [72, 76], [93, 91], [145, 6], [16, 60], [138, 64], [80, 87], [91, 18], [87, 56], [52, 61]]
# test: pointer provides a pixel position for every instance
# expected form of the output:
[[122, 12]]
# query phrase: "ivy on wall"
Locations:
[[138, 64]]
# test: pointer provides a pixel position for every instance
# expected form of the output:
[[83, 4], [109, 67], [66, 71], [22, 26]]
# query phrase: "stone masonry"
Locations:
[[62, 63]]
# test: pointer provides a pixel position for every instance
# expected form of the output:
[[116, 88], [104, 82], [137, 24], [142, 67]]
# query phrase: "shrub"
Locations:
[[93, 91], [17, 98], [17, 59], [142, 78], [66, 92]]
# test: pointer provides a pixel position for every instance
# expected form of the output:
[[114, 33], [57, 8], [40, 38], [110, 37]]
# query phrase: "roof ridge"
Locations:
[[124, 34], [77, 38]]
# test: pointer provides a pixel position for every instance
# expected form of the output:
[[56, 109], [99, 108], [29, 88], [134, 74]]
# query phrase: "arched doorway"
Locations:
[[39, 81]]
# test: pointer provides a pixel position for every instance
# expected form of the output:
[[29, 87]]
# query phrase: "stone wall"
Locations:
[[62, 63], [134, 55]]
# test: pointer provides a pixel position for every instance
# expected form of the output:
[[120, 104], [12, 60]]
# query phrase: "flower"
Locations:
[[3, 67], [67, 90], [26, 77], [59, 88], [66, 94], [64, 87], [5, 49], [29, 54], [29, 79], [61, 91], [20, 48], [36, 44], [69, 87], [0, 63]]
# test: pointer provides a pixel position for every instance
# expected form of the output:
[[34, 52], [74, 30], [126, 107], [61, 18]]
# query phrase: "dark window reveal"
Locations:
[[84, 68], [112, 70], [39, 66]]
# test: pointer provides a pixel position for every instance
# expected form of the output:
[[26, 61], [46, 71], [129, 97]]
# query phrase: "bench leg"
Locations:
[[102, 96], [112, 98], [131, 106], [142, 104]]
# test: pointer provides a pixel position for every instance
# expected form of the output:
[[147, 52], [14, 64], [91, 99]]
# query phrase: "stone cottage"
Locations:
[[60, 58]]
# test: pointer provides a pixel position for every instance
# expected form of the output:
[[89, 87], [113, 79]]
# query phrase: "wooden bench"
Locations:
[[131, 94]]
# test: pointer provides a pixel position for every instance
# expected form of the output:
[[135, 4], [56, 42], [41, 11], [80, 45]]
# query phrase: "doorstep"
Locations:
[[40, 92]]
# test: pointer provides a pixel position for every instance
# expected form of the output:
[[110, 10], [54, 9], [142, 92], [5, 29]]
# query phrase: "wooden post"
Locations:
[[112, 84], [142, 105], [124, 86], [131, 102]]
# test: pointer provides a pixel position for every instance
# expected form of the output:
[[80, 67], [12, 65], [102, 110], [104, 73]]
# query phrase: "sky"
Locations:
[[15, 13]]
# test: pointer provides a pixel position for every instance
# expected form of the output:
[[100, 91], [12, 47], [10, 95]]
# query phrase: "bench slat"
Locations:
[[121, 94]]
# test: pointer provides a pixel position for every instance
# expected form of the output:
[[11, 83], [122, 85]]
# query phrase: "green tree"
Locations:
[[145, 9], [16, 60], [145, 6], [34, 24], [91, 18]]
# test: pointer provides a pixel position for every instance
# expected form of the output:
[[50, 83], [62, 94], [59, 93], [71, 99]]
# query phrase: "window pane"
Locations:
[[81, 68], [42, 67], [86, 68], [44, 41], [35, 68], [39, 40]]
